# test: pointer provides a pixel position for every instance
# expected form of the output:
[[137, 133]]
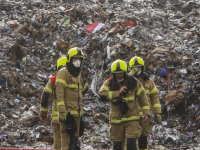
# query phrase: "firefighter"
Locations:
[[47, 96], [69, 98], [137, 66], [121, 91]]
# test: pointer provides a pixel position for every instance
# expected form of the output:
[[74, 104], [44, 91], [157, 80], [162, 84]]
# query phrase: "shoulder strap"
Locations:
[[132, 82], [145, 76], [112, 84], [53, 79]]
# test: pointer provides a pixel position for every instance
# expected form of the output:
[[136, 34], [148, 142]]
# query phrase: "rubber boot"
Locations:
[[131, 144], [143, 142], [117, 145], [72, 142]]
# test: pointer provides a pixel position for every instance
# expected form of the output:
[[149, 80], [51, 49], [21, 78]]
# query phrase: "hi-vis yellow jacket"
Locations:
[[151, 91], [49, 95], [137, 92], [69, 91]]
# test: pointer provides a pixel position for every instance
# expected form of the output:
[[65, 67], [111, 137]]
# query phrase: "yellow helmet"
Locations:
[[61, 62], [136, 62], [74, 52], [119, 66]]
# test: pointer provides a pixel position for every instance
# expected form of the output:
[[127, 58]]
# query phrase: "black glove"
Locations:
[[123, 106]]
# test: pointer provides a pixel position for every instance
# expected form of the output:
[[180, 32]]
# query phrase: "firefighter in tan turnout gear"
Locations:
[[47, 96], [69, 98], [122, 91], [137, 66]]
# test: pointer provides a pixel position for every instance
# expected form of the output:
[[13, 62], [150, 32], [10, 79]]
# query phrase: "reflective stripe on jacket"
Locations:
[[46, 102], [152, 93], [133, 110], [69, 92]]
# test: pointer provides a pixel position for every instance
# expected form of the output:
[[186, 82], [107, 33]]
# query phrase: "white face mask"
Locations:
[[138, 73], [77, 63], [120, 80]]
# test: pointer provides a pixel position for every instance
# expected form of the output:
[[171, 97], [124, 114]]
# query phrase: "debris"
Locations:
[[34, 34]]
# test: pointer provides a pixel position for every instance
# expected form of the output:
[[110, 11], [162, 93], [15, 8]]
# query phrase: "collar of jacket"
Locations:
[[129, 81], [143, 75], [72, 69]]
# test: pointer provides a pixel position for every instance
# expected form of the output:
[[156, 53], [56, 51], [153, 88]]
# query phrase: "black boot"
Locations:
[[77, 146], [142, 142], [117, 145], [72, 142], [131, 144]]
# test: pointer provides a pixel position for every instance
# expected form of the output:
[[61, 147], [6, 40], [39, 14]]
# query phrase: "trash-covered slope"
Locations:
[[34, 34]]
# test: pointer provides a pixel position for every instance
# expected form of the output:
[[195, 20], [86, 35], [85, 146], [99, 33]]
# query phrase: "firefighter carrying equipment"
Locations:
[[61, 62], [137, 92], [151, 91], [47, 97], [136, 62], [119, 66], [153, 98]]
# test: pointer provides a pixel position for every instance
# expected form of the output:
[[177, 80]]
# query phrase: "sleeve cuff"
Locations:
[[147, 112], [62, 109]]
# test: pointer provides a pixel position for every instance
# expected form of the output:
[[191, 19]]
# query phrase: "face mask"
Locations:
[[137, 71], [77, 63], [120, 80]]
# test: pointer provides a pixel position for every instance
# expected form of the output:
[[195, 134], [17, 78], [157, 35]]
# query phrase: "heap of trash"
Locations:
[[35, 33]]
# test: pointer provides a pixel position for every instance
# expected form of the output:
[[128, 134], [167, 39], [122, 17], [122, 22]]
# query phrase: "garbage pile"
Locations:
[[34, 34]]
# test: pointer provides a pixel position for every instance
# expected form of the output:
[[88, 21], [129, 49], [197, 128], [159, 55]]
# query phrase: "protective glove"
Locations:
[[62, 117], [158, 118]]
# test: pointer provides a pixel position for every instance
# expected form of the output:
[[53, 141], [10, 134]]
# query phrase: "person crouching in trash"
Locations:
[[122, 91], [69, 89]]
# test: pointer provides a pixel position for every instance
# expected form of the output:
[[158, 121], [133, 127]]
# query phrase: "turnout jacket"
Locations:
[[69, 90], [110, 92], [151, 91], [48, 96]]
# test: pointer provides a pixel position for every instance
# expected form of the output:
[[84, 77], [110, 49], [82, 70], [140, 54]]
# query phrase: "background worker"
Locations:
[[69, 88], [47, 96], [137, 70], [121, 91]]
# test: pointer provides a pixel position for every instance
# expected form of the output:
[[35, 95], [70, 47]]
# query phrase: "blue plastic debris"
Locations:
[[9, 30], [2, 82], [162, 72], [17, 100]]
